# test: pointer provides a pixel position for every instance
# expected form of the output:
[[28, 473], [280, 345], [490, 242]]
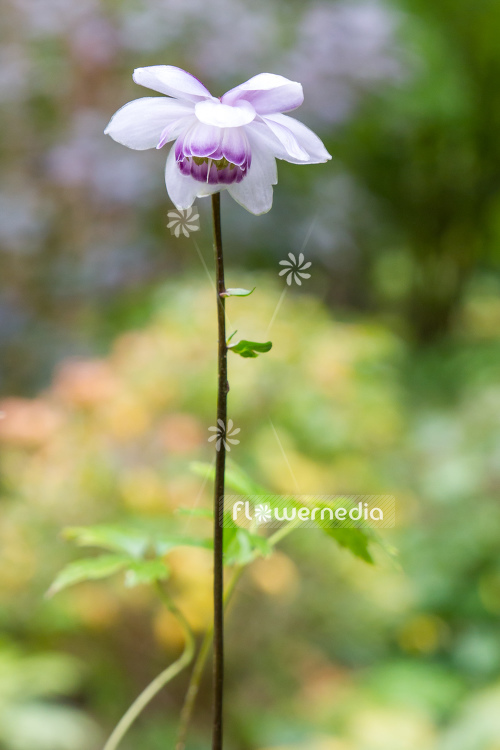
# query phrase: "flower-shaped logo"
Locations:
[[223, 435], [295, 269], [263, 513], [183, 220]]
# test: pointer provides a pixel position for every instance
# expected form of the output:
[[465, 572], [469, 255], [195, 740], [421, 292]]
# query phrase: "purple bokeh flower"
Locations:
[[343, 50], [228, 143]]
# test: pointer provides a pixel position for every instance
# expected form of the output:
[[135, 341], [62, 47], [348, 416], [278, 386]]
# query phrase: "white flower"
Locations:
[[295, 269], [228, 143], [263, 513], [184, 221], [223, 435]]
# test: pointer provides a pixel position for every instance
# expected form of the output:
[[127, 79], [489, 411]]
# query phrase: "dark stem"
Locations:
[[220, 463], [194, 682]]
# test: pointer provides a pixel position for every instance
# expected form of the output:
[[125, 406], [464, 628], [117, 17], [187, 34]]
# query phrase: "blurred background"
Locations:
[[383, 377]]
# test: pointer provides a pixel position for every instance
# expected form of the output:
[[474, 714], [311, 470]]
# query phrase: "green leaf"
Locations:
[[355, 540], [230, 337], [250, 348], [236, 478], [196, 512], [242, 546], [111, 537], [90, 569], [146, 571], [135, 542], [238, 292], [163, 543]]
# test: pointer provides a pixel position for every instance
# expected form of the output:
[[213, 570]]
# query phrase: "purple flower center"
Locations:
[[213, 155], [213, 171]]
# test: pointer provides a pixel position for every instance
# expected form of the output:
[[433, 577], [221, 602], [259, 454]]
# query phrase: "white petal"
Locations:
[[266, 137], [176, 128], [308, 140], [201, 140], [255, 192], [139, 124], [172, 81], [287, 139], [183, 189], [222, 115], [268, 93]]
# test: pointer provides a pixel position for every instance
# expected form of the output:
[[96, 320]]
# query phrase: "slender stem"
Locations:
[[220, 463], [192, 691], [194, 682], [159, 682], [283, 532]]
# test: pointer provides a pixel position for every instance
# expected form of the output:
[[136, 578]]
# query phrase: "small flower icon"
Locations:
[[223, 435], [263, 513], [183, 220], [294, 269]]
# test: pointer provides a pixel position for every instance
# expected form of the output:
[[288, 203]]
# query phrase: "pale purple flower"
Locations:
[[228, 143]]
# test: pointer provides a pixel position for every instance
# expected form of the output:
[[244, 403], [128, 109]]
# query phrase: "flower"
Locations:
[[228, 143], [223, 435], [295, 268]]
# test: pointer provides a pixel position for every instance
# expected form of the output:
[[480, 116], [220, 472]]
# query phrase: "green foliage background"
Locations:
[[382, 378]]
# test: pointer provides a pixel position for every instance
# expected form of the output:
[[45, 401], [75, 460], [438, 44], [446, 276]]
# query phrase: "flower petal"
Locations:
[[255, 192], [263, 134], [140, 124], [200, 140], [224, 116], [183, 189], [267, 93], [287, 140], [304, 136], [172, 81], [235, 146]]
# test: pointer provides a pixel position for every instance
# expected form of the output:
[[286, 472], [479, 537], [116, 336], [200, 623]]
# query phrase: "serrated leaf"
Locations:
[[91, 569], [355, 540], [146, 571], [238, 292], [250, 348]]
